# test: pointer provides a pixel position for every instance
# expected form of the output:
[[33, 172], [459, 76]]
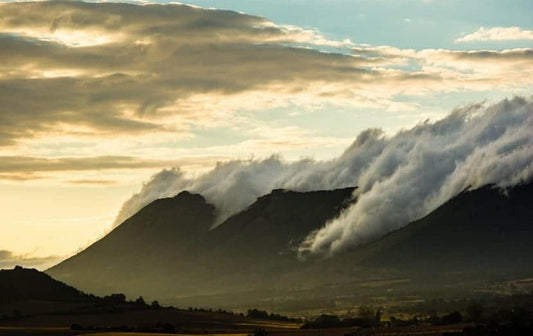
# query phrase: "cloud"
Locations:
[[9, 260], [93, 182], [456, 66], [497, 34], [27, 168], [150, 57], [107, 69], [20, 177], [421, 168], [400, 178]]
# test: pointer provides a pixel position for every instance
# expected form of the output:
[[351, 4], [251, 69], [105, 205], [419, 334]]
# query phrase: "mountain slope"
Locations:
[[142, 249], [252, 247], [479, 234], [276, 223], [477, 230], [167, 247]]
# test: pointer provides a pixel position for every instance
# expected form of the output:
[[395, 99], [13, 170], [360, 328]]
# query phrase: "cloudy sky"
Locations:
[[97, 97]]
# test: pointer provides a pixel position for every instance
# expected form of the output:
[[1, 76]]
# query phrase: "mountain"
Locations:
[[476, 239], [143, 250], [169, 251], [480, 230], [168, 248]]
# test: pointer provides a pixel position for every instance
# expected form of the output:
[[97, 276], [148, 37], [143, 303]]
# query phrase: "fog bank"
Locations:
[[400, 178]]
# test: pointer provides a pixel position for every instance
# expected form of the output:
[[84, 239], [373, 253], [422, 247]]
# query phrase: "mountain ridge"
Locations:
[[251, 256], [164, 259]]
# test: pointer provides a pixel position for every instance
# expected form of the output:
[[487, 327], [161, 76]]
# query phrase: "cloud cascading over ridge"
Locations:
[[421, 168], [400, 178]]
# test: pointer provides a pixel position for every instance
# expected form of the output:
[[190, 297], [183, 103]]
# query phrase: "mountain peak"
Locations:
[[185, 194], [180, 208], [182, 199], [162, 229]]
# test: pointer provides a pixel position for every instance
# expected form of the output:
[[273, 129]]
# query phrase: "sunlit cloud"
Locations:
[[497, 34], [25, 168], [93, 182], [9, 260], [112, 78], [400, 178], [129, 69]]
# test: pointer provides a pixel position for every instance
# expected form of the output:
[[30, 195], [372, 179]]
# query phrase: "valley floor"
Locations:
[[419, 330]]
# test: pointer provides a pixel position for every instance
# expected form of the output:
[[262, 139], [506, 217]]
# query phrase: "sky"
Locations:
[[95, 98]]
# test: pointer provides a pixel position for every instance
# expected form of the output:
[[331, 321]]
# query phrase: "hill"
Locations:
[[168, 252], [28, 292], [20, 284], [32, 303]]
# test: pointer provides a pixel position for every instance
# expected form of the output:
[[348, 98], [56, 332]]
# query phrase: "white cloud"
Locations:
[[497, 34], [400, 178], [421, 168]]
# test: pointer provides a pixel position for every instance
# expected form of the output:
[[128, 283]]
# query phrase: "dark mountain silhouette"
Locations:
[[146, 247], [167, 250], [26, 292], [273, 226], [477, 237], [481, 230], [20, 284]]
